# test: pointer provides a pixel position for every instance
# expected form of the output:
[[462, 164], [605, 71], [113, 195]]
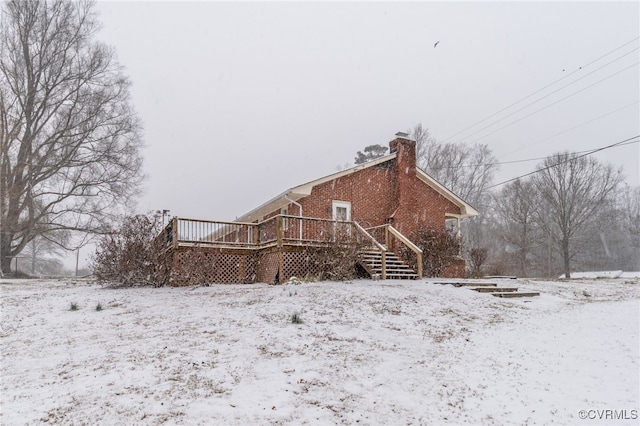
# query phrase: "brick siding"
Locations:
[[389, 192]]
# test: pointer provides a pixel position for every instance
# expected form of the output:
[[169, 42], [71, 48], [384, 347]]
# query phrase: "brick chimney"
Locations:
[[405, 146], [406, 208]]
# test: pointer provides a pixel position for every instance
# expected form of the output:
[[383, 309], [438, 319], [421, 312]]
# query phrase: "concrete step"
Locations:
[[491, 288], [516, 294], [467, 284], [495, 289]]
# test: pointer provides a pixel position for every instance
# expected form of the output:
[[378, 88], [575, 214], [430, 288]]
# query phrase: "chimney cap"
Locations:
[[403, 135]]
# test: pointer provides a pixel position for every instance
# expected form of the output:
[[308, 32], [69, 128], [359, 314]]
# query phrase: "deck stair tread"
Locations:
[[371, 261]]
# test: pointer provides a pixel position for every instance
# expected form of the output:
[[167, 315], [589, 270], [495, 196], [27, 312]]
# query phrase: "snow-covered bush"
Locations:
[[131, 256]]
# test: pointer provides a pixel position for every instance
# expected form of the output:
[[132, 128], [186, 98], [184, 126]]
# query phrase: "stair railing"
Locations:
[[404, 240], [380, 247]]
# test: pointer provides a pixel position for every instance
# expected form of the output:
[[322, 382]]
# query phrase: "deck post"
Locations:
[[280, 243], [256, 234], [419, 256], [280, 231], [386, 238], [383, 274], [174, 230]]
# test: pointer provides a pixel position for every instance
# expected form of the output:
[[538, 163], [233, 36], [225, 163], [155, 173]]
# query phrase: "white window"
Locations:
[[341, 213], [341, 210]]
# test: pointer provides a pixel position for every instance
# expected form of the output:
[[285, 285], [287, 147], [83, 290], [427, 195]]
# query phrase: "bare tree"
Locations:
[[631, 214], [424, 143], [45, 254], [69, 137], [516, 207], [573, 189], [466, 170]]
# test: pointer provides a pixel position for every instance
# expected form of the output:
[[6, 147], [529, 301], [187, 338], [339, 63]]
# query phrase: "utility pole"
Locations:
[[549, 259]]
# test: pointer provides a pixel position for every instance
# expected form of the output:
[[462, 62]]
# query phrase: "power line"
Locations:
[[526, 160], [553, 92], [593, 151], [543, 88], [556, 102], [572, 128], [542, 158], [545, 139]]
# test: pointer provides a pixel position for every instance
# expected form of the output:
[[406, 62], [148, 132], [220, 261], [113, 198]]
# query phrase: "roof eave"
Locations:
[[466, 210]]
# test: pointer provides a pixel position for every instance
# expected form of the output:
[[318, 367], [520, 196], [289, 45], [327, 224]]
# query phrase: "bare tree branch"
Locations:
[[69, 137], [574, 189]]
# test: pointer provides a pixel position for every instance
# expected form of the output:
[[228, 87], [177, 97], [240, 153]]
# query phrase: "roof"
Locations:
[[466, 210], [294, 194]]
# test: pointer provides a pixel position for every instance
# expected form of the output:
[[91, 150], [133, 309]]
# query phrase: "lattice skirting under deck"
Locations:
[[204, 265]]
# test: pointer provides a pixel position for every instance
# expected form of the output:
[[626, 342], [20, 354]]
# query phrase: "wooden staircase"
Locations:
[[396, 269]]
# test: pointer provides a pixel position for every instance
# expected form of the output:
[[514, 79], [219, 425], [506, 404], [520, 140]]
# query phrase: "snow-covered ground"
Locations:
[[367, 352]]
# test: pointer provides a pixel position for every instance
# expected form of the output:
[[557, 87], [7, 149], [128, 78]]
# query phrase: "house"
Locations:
[[375, 207]]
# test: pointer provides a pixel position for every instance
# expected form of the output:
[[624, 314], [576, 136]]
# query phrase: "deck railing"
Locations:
[[395, 241], [283, 230], [181, 231], [277, 230]]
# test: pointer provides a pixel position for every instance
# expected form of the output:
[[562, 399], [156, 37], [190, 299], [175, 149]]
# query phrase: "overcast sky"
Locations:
[[241, 101]]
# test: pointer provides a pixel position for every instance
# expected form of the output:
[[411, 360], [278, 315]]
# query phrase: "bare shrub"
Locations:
[[478, 256], [440, 248], [498, 267], [131, 256], [337, 260]]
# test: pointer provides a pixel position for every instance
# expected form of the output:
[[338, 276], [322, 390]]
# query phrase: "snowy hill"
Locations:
[[368, 352]]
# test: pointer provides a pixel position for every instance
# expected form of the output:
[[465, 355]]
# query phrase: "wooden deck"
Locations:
[[280, 247]]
